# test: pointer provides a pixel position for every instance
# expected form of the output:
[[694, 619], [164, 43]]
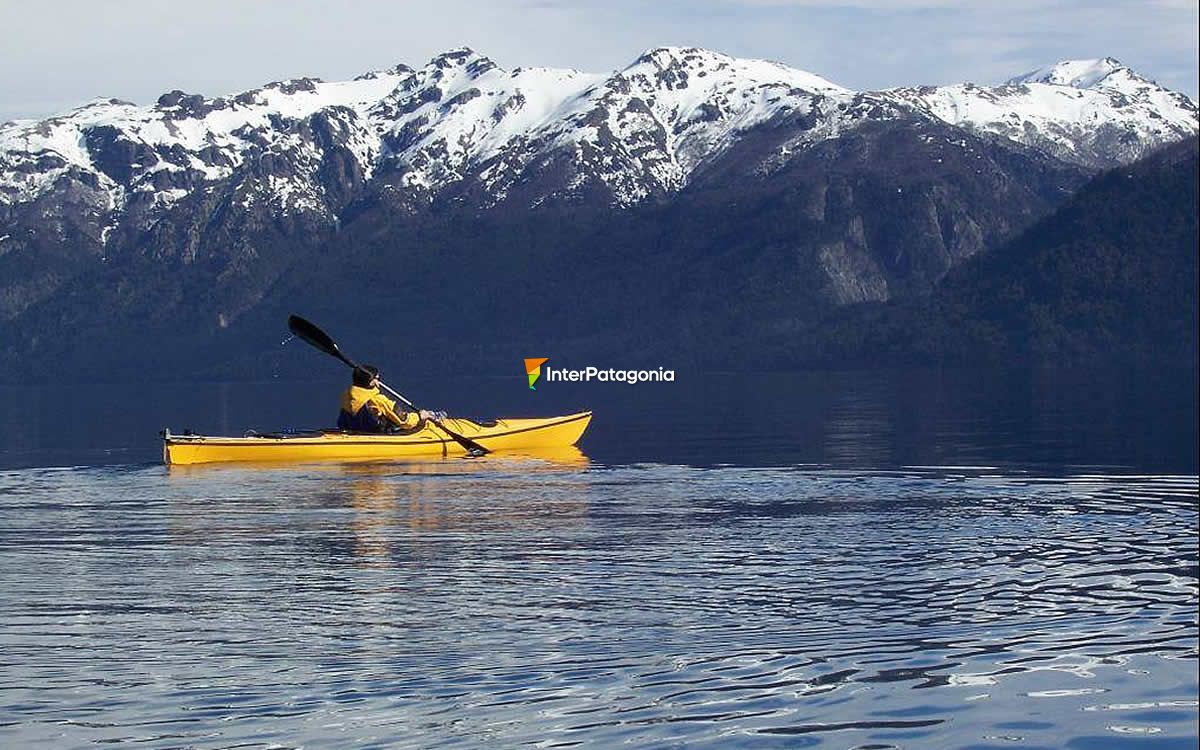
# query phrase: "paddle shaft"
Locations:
[[399, 397]]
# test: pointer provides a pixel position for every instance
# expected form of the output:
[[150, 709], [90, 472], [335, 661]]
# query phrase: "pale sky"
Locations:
[[57, 54]]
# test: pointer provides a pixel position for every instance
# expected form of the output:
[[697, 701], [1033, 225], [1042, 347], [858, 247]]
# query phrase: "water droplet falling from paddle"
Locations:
[[276, 362]]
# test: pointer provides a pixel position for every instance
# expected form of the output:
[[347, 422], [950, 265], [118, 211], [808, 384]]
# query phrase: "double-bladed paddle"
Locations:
[[321, 340]]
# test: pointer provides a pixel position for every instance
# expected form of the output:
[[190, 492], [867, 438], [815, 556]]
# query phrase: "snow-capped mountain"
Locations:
[[1098, 113], [643, 130]]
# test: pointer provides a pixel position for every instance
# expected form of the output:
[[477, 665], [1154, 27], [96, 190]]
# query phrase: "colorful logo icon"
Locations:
[[533, 368]]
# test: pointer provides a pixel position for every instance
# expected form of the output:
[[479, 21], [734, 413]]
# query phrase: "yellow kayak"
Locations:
[[333, 445]]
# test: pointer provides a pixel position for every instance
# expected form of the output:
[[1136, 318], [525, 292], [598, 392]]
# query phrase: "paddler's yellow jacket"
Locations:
[[367, 410]]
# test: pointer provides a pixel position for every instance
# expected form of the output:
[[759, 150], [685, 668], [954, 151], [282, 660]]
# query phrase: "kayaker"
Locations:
[[365, 409]]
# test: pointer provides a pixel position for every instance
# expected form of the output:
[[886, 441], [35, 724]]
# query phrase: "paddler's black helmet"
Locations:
[[364, 375]]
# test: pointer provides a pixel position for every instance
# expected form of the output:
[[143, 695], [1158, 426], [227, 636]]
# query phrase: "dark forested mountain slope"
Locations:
[[1109, 276]]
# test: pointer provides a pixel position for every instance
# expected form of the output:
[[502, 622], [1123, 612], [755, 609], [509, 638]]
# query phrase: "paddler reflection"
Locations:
[[418, 511]]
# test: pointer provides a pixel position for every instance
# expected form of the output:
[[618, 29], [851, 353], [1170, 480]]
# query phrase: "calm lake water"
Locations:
[[841, 560]]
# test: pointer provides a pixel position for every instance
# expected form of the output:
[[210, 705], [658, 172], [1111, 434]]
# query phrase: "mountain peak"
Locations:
[[675, 66], [454, 57], [400, 69], [294, 85], [463, 58], [667, 56], [1079, 74]]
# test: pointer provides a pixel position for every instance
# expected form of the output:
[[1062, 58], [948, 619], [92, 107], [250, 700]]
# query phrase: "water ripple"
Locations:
[[406, 606]]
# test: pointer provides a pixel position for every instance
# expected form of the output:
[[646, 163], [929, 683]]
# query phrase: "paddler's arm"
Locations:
[[385, 409]]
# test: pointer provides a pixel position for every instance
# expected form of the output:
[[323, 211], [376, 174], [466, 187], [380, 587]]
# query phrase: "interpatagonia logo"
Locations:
[[533, 369]]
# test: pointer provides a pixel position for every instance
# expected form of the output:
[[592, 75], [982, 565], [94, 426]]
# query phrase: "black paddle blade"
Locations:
[[316, 337]]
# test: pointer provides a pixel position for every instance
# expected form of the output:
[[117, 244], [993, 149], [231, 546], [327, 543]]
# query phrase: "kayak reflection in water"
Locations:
[[365, 409]]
